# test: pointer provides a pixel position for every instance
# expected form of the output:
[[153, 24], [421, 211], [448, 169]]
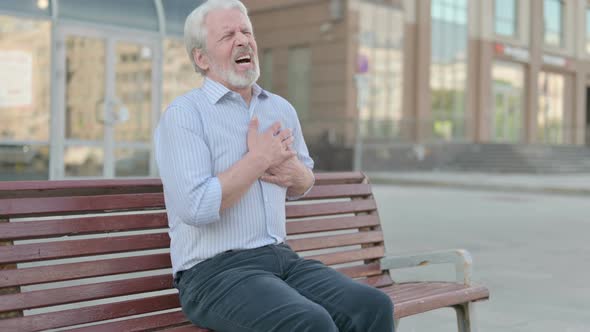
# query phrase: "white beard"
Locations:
[[241, 81]]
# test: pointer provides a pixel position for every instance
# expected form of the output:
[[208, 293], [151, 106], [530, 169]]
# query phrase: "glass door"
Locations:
[[106, 108]]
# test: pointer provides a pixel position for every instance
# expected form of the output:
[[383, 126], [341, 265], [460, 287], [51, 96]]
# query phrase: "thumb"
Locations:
[[253, 127]]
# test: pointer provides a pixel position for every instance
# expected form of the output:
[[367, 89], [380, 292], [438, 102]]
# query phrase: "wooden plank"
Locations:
[[71, 294], [365, 270], [71, 271], [326, 209], [338, 191], [381, 280], [91, 314], [80, 226], [332, 241], [187, 328], [438, 295], [151, 322], [12, 188], [76, 248], [18, 189], [349, 255], [21, 207], [331, 224], [338, 178]]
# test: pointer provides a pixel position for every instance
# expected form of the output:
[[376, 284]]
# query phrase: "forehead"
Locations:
[[220, 20]]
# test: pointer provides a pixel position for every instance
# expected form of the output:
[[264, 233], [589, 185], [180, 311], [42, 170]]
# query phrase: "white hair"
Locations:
[[195, 32]]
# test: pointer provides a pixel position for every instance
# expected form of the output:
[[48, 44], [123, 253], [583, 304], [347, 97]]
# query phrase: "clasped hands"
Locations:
[[274, 147]]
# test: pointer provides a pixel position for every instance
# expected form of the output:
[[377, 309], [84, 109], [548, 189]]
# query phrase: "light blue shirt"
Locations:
[[201, 134]]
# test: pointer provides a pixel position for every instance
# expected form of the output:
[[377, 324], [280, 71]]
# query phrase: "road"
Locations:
[[531, 250]]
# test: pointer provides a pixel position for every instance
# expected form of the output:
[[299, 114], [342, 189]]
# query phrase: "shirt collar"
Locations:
[[215, 91]]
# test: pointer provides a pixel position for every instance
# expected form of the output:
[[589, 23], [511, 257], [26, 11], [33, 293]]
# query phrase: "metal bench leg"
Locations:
[[466, 317]]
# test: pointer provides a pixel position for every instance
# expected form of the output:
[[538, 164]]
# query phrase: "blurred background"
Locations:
[[471, 116], [389, 85]]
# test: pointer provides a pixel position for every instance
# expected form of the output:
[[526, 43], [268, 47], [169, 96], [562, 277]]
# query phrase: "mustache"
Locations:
[[243, 49]]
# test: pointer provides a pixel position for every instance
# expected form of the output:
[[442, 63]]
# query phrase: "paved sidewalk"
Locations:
[[565, 184]]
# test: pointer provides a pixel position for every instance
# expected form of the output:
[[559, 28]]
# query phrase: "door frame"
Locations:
[[111, 36]]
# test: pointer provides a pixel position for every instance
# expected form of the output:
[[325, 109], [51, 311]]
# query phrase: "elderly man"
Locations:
[[229, 154]]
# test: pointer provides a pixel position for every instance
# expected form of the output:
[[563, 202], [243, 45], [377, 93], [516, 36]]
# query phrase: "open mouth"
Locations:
[[244, 59]]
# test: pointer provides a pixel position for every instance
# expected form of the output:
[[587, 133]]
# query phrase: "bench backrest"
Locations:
[[77, 252]]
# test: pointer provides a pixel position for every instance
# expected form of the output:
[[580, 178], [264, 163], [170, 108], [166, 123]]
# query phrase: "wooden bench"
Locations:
[[93, 254]]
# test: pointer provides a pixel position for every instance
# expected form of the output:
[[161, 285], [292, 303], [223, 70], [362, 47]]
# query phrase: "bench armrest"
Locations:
[[460, 257]]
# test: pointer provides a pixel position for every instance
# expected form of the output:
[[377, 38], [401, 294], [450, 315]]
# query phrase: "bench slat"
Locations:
[[443, 295], [339, 177], [80, 226], [331, 224], [27, 207], [332, 241], [378, 281], [349, 255], [76, 248], [71, 271], [91, 314], [12, 189], [364, 270], [338, 191], [140, 324], [326, 209], [71, 294]]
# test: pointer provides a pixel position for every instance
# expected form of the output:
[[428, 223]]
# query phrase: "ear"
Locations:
[[201, 59]]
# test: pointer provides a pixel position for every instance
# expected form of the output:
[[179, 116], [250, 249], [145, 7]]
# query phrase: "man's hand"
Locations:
[[272, 146], [285, 174], [291, 174]]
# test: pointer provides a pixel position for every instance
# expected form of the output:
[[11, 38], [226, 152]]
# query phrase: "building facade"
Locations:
[[84, 82]]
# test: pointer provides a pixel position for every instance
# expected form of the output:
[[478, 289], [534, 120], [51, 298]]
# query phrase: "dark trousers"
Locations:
[[272, 289]]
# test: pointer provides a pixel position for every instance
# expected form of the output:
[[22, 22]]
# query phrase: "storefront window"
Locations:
[[551, 108], [553, 11], [380, 51], [299, 79], [179, 76], [25, 62], [505, 17], [448, 68], [508, 100]]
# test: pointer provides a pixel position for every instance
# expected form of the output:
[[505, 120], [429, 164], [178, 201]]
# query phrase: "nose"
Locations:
[[241, 39]]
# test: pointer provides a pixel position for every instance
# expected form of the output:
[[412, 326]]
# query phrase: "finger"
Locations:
[[252, 129], [289, 154], [275, 128], [270, 178], [288, 141], [286, 134]]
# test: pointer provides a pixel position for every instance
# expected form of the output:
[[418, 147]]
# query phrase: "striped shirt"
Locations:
[[201, 134]]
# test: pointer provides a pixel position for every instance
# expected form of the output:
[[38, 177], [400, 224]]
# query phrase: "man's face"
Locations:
[[231, 52]]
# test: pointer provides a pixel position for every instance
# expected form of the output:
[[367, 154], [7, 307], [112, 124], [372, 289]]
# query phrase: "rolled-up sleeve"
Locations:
[[302, 152], [191, 190]]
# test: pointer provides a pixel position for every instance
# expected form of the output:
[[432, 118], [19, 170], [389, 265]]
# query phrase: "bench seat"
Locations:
[[92, 255]]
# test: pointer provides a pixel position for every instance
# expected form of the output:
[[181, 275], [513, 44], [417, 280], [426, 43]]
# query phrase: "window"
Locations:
[[178, 72], [505, 17], [507, 102], [551, 108], [448, 69], [267, 72], [299, 79], [25, 53], [553, 11], [380, 49]]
